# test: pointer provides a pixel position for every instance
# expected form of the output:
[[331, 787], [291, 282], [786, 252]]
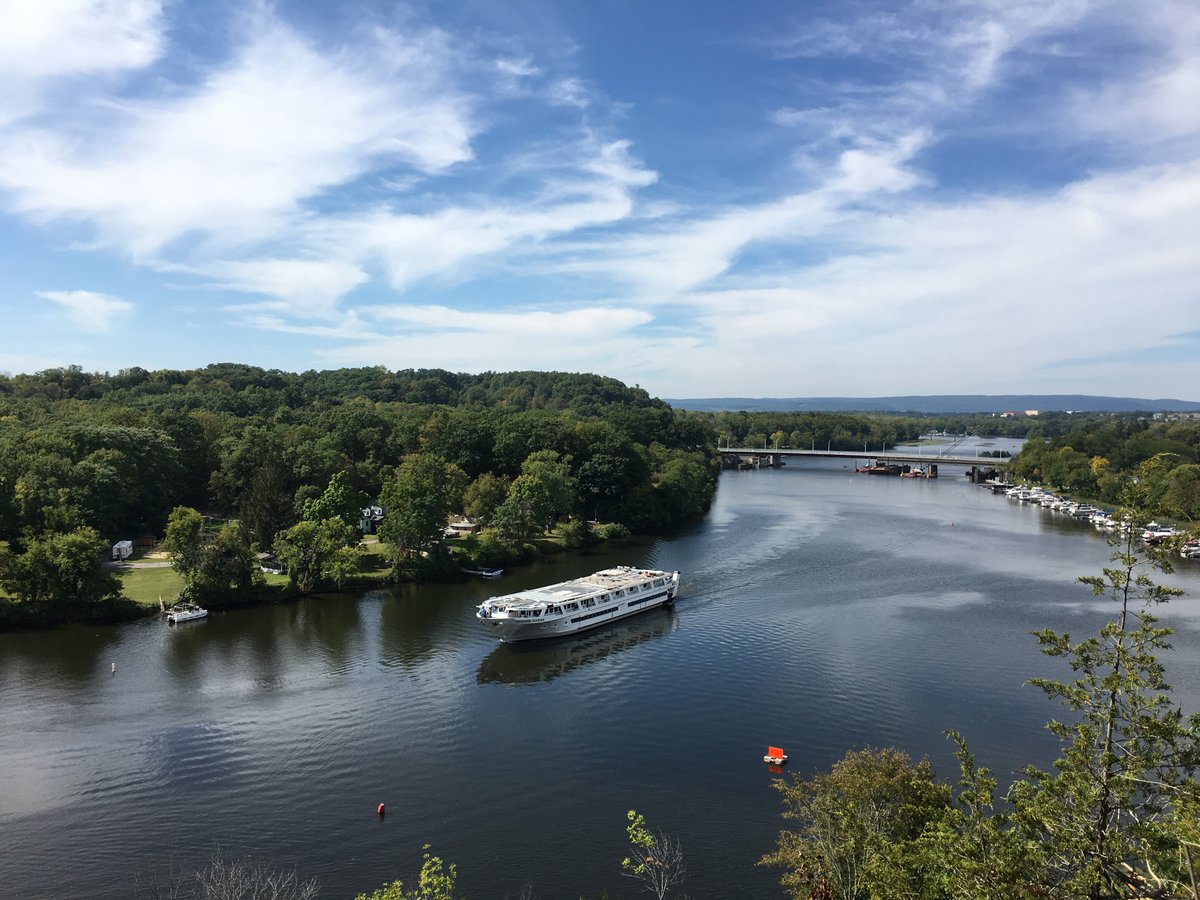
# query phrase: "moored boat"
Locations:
[[1156, 533], [484, 572], [577, 605], [880, 469], [185, 612]]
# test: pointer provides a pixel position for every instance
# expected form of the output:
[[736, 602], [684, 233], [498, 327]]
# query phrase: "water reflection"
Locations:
[[541, 661], [36, 657], [416, 621], [333, 626]]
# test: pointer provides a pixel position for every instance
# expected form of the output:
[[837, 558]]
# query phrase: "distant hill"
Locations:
[[938, 404]]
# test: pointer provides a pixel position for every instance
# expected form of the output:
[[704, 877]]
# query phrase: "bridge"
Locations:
[[766, 457]]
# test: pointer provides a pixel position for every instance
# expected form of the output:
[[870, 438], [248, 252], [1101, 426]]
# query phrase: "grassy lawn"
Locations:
[[374, 564], [147, 585]]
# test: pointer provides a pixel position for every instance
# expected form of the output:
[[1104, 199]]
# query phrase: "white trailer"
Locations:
[[122, 549]]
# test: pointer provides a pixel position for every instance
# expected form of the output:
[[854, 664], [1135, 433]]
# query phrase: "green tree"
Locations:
[[484, 495], [1127, 752], [254, 482], [857, 826], [1069, 469], [319, 554], [436, 882], [464, 436], [216, 568], [575, 534], [8, 510], [655, 859], [683, 487], [1182, 496], [524, 511], [339, 501], [63, 569], [974, 852], [1149, 484], [184, 540], [554, 472], [417, 501]]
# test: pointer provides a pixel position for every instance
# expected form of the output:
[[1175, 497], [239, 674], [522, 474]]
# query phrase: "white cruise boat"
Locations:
[[185, 612], [577, 605]]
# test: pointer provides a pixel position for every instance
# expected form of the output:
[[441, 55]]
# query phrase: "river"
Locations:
[[820, 610]]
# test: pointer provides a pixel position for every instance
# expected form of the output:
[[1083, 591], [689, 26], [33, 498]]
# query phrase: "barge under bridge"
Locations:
[[981, 467]]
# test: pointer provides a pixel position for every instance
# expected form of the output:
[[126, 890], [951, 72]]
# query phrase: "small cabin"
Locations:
[[460, 529]]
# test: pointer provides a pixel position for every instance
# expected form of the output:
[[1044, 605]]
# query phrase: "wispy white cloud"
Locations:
[[52, 41], [616, 337], [573, 324], [55, 37], [305, 288], [88, 310], [235, 158], [986, 292], [453, 243], [1155, 104], [518, 68], [922, 64], [674, 258]]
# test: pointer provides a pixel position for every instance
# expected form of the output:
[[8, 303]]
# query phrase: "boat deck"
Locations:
[[577, 588]]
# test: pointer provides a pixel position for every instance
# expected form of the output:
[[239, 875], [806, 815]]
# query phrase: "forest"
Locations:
[[1147, 465], [231, 461]]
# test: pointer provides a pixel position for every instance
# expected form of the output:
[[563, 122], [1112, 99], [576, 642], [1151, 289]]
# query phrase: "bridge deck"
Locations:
[[883, 456]]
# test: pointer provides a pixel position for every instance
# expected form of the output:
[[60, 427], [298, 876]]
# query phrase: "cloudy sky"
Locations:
[[702, 197]]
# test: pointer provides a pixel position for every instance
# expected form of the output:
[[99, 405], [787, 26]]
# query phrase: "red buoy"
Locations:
[[381, 809]]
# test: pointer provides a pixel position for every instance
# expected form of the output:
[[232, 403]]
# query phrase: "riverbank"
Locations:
[[148, 582]]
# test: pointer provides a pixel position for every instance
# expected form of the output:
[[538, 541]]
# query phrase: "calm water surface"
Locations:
[[820, 610]]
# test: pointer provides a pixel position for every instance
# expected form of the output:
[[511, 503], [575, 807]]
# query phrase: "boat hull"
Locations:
[[513, 630]]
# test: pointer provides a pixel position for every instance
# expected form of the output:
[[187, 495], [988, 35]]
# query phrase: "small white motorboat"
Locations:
[[185, 612]]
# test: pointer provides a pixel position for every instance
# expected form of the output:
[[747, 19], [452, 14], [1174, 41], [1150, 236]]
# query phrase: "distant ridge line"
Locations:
[[937, 404]]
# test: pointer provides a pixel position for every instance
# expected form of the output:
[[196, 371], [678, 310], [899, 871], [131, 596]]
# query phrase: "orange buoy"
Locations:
[[381, 810]]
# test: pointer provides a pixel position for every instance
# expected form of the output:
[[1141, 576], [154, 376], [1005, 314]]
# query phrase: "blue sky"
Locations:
[[703, 198]]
